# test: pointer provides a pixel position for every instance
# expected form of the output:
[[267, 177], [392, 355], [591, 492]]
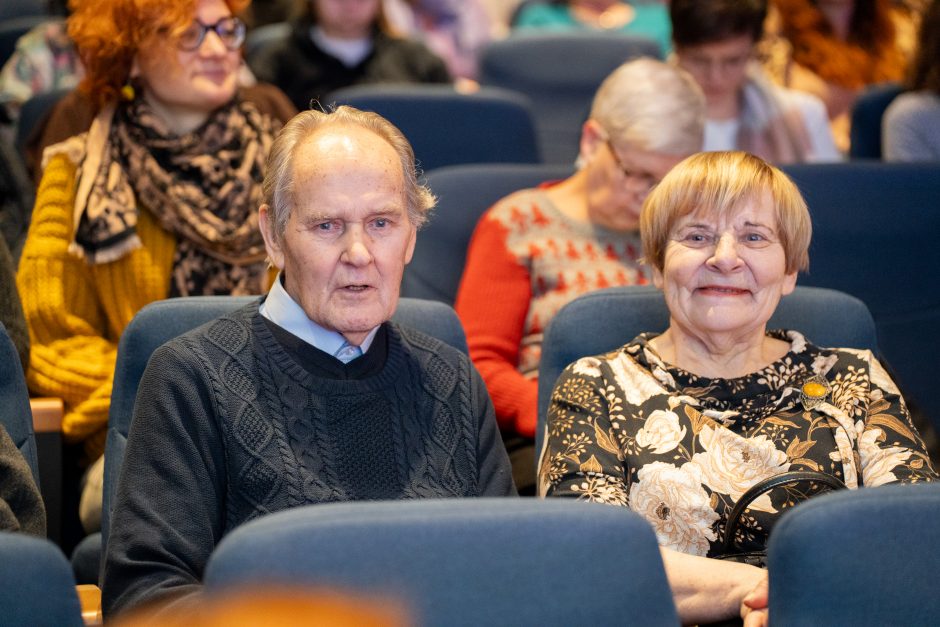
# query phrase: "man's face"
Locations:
[[720, 68], [348, 237]]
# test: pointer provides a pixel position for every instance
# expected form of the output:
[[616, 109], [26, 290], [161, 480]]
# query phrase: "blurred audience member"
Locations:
[[157, 199], [44, 60], [714, 41], [538, 249], [834, 48], [273, 607], [21, 506], [455, 30], [650, 19], [912, 121], [337, 43]]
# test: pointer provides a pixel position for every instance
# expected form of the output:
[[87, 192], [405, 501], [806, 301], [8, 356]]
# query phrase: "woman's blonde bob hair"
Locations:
[[719, 183]]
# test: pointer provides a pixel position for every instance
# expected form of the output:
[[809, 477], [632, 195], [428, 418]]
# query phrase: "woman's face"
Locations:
[[619, 178], [185, 86], [725, 275], [346, 19]]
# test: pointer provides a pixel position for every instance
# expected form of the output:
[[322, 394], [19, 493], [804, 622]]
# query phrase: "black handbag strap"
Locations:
[[766, 485]]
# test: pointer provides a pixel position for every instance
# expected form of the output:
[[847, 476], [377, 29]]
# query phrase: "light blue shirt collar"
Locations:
[[283, 311]]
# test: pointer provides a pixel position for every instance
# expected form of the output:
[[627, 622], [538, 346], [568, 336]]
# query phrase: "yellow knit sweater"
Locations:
[[76, 312]]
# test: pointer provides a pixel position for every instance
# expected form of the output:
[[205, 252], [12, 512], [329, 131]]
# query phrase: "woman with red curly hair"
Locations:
[[157, 199], [834, 48]]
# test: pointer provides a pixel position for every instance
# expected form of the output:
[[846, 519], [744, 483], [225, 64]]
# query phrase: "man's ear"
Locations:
[[272, 243], [411, 244]]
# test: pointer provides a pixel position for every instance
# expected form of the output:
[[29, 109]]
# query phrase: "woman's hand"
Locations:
[[754, 605]]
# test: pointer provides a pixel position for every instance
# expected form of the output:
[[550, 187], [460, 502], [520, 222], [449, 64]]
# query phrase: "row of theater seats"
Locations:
[[860, 557], [863, 557]]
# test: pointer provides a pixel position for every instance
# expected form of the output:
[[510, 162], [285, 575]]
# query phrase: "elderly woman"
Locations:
[[538, 249], [677, 426], [159, 198]]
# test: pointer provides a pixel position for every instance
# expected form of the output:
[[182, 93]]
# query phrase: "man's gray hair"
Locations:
[[652, 106], [278, 186]]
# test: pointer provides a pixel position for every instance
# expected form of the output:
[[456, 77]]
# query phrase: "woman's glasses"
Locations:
[[231, 32], [643, 179]]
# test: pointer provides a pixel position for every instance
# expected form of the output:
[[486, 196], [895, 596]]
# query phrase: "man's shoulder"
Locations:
[[229, 332]]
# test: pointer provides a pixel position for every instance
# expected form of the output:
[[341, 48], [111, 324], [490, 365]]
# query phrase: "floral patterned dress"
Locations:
[[628, 429]]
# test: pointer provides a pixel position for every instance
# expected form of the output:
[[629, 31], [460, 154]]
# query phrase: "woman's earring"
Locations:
[[127, 92]]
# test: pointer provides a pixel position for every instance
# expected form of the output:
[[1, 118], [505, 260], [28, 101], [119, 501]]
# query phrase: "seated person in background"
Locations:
[[650, 19], [335, 44], [538, 249], [158, 199], [677, 426], [835, 49], [21, 506], [43, 60], [714, 41], [309, 395], [455, 30], [912, 121]]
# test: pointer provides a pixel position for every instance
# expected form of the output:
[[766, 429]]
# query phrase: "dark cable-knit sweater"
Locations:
[[230, 425]]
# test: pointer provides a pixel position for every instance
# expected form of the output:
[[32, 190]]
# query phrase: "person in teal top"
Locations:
[[650, 19]]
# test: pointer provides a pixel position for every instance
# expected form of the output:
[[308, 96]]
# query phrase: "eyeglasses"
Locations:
[[231, 32], [647, 180]]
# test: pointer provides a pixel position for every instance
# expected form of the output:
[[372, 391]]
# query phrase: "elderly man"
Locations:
[[309, 395]]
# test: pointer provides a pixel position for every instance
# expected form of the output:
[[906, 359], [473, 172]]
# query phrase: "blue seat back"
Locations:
[[15, 413], [869, 108], [605, 320], [462, 561], [37, 588], [164, 320], [560, 73], [858, 557], [446, 127], [463, 193], [874, 236]]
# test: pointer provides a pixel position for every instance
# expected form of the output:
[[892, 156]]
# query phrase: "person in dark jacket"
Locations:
[[336, 44]]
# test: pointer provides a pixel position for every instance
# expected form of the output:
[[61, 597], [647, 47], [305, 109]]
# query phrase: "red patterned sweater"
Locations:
[[525, 261]]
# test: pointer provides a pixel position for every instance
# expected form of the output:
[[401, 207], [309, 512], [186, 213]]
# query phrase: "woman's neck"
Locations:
[[570, 196], [178, 120], [718, 356]]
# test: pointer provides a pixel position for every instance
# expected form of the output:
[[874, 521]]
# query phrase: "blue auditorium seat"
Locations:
[[15, 413], [875, 229], [865, 557], [559, 72], [461, 562], [36, 584], [447, 127]]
